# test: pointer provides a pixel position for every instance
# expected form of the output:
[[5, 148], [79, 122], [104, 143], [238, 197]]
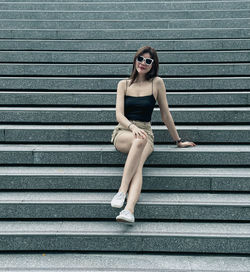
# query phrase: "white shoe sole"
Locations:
[[116, 206], [124, 220]]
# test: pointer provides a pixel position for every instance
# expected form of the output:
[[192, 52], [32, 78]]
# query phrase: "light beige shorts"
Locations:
[[146, 126]]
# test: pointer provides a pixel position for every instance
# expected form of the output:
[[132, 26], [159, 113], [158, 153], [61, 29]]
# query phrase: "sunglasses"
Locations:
[[148, 61]]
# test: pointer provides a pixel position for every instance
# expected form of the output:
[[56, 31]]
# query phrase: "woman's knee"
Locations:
[[140, 142], [123, 142]]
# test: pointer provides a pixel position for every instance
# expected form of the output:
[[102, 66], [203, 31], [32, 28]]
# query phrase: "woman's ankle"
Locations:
[[130, 209]]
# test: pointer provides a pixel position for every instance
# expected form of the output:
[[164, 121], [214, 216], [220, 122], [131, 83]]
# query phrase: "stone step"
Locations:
[[156, 179], [125, 24], [122, 57], [86, 1], [30, 98], [109, 262], [181, 70], [150, 206], [126, 34], [102, 133], [118, 6], [129, 45], [123, 15], [163, 155], [179, 237], [73, 115], [108, 84]]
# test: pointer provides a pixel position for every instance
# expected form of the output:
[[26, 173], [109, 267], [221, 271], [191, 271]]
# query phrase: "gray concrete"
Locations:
[[92, 115], [122, 57], [96, 262], [92, 205], [203, 46], [102, 133], [141, 237], [109, 178], [122, 15], [170, 155], [29, 98], [186, 5], [134, 23], [115, 44], [181, 70], [86, 1], [109, 34], [110, 84]]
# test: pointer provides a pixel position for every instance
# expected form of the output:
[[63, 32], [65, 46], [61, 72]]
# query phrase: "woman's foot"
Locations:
[[125, 216], [118, 200]]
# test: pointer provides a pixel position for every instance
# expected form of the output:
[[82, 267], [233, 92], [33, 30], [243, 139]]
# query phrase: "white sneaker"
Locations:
[[118, 200], [125, 216]]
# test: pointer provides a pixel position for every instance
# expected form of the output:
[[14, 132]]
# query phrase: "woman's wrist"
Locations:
[[130, 125], [178, 141]]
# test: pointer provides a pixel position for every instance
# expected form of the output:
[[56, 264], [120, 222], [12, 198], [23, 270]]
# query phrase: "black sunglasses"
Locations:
[[148, 61]]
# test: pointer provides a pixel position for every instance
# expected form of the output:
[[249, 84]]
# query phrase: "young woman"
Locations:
[[135, 101]]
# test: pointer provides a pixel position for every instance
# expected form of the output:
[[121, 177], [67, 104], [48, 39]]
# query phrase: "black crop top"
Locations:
[[139, 108]]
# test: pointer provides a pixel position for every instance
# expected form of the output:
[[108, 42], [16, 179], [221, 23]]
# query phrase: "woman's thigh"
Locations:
[[124, 141]]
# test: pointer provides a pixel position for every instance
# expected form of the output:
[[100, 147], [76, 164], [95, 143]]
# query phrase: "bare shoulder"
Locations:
[[123, 82], [160, 86], [158, 80], [121, 86]]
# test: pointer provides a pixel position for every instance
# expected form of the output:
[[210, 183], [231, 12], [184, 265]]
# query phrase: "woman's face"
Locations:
[[143, 68]]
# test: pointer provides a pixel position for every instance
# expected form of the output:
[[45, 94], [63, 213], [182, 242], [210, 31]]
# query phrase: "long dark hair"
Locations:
[[155, 66]]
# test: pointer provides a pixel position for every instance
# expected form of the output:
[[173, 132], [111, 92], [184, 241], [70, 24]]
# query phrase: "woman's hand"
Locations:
[[186, 144], [137, 132]]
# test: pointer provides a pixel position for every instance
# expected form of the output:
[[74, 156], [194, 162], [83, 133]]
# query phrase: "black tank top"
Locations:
[[139, 108]]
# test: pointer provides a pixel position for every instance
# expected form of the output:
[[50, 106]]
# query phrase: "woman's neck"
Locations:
[[140, 78]]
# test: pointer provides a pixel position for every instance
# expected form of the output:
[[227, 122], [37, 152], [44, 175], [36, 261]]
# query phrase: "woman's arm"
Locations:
[[166, 115], [121, 87]]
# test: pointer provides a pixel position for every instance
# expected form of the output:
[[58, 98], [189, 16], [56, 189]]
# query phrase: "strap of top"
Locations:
[[126, 87], [152, 86]]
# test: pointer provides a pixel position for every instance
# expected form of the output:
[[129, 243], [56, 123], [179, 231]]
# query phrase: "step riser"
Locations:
[[131, 24], [108, 116], [143, 211], [110, 84], [128, 243], [220, 5], [122, 57], [129, 45], [111, 182], [121, 70], [108, 99], [171, 34], [102, 158], [103, 136], [123, 15]]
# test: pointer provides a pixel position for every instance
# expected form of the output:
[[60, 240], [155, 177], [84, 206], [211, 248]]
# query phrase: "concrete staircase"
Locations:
[[60, 65]]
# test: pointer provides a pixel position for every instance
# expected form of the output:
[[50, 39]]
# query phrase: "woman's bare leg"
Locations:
[[127, 143], [136, 183]]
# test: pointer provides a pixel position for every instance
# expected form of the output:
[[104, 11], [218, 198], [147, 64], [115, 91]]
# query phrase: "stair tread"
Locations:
[[140, 228], [93, 262], [202, 108], [109, 147], [209, 199], [111, 127], [114, 171]]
